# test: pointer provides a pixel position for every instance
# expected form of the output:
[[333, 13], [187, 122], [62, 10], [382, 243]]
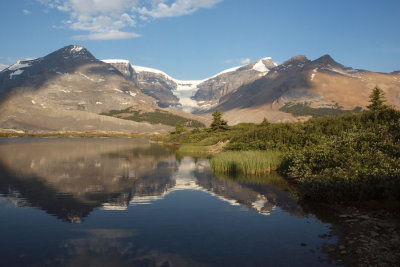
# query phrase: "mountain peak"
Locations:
[[72, 52], [327, 60], [298, 58]]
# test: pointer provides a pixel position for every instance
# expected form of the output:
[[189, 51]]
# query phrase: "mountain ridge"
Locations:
[[70, 85]]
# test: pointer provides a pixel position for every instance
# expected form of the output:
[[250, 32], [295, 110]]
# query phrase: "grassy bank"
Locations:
[[155, 117], [246, 162], [351, 157]]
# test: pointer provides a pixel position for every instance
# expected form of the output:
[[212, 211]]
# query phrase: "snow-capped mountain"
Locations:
[[321, 83], [211, 90], [66, 90], [191, 95]]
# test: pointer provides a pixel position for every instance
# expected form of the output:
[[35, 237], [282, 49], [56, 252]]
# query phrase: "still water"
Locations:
[[126, 202]]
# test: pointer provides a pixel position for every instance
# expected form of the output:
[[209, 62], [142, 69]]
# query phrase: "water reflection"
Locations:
[[133, 204], [69, 178]]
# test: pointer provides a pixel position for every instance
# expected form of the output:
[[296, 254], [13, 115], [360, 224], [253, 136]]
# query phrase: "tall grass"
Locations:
[[246, 162]]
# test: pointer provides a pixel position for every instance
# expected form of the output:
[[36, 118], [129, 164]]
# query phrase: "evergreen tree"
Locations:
[[377, 100], [265, 122], [218, 123]]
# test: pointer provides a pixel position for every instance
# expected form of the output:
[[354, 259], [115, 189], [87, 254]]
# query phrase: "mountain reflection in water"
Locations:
[[69, 178], [132, 203]]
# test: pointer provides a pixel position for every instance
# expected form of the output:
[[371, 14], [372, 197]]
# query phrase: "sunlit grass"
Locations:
[[193, 149], [246, 162]]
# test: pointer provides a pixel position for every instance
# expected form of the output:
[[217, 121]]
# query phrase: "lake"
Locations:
[[126, 202]]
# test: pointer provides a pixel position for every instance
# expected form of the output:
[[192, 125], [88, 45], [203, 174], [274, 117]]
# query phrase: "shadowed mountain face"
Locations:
[[70, 178], [157, 85], [65, 91]]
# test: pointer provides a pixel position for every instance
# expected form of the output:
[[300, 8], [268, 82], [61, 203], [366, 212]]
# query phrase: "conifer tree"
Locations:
[[377, 100], [218, 123]]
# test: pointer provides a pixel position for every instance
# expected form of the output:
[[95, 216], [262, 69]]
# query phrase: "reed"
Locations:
[[246, 162]]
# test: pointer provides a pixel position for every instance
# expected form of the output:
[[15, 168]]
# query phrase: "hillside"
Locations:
[[322, 83]]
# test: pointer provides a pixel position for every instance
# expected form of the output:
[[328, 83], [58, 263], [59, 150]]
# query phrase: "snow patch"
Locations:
[[115, 61], [99, 103], [33, 102], [312, 76], [15, 73], [132, 93], [65, 91], [76, 48], [117, 90], [83, 75], [260, 67], [125, 103], [19, 65], [226, 71]]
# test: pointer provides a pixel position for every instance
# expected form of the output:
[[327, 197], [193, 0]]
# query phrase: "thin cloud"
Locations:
[[228, 61], [110, 35], [178, 8], [245, 60], [26, 12], [106, 20]]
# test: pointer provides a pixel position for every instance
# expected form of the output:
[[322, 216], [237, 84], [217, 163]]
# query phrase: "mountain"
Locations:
[[65, 91], [168, 91], [68, 89], [2, 66], [322, 83], [211, 90], [191, 95]]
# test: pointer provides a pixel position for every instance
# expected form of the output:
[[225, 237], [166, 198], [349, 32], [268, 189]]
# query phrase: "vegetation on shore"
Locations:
[[302, 109], [156, 117], [345, 158], [246, 162]]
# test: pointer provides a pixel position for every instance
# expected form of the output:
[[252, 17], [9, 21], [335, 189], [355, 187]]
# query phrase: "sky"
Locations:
[[195, 39]]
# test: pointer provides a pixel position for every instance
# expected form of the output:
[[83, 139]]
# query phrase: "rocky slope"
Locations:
[[65, 91], [211, 90], [319, 83]]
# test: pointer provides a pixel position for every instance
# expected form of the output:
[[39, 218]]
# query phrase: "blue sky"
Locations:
[[194, 39]]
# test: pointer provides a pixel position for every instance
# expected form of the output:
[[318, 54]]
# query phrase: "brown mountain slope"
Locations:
[[319, 83], [65, 91]]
